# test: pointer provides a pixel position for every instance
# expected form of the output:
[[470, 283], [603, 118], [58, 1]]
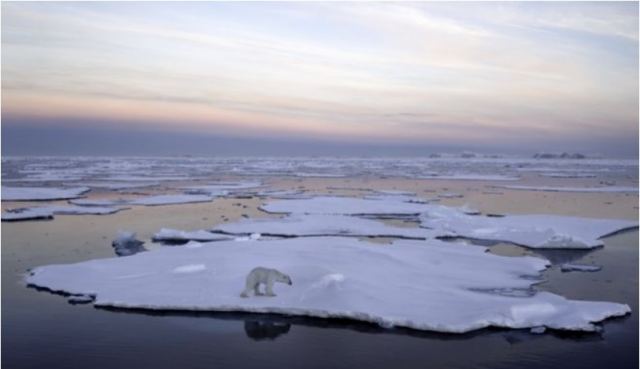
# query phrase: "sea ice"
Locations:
[[388, 205], [221, 188], [534, 231], [472, 177], [579, 268], [170, 199], [41, 193], [573, 189], [47, 212], [425, 285], [126, 244], [174, 235], [298, 225]]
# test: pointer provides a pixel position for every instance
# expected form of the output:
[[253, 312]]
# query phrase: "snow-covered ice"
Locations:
[[174, 235], [47, 212], [346, 206], [99, 202], [426, 285], [41, 193], [300, 225], [221, 188], [535, 231], [170, 199], [118, 185], [573, 189], [568, 267]]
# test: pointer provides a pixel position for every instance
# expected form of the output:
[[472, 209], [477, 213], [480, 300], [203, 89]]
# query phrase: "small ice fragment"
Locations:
[[126, 244], [579, 268], [190, 268], [538, 330], [80, 299]]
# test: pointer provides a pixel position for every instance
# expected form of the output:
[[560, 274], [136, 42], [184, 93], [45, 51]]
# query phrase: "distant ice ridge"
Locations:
[[572, 189], [425, 285], [47, 212], [41, 193]]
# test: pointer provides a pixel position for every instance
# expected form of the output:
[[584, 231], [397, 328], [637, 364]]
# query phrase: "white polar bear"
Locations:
[[265, 276]]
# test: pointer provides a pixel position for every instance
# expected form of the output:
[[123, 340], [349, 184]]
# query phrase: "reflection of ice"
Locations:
[[259, 330]]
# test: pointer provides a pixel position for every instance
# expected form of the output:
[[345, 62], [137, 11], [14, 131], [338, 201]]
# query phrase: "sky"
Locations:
[[322, 78]]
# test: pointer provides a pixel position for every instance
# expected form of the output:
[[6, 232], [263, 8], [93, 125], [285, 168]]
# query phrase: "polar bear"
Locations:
[[266, 276]]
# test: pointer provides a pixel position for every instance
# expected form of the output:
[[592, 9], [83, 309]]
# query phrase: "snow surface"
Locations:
[[47, 212], [345, 205], [170, 199], [321, 225], [41, 193], [425, 285], [573, 189], [174, 235], [535, 231]]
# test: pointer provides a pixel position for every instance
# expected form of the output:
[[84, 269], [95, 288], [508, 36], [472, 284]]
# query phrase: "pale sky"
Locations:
[[490, 76]]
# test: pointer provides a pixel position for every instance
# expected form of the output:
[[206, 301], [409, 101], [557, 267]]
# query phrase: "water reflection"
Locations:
[[265, 330]]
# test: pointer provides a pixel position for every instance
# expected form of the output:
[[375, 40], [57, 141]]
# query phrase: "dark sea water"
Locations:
[[43, 330]]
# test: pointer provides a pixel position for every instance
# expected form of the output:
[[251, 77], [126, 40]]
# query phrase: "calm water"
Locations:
[[40, 329]]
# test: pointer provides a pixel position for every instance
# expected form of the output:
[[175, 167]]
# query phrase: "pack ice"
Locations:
[[41, 193], [534, 231], [425, 285]]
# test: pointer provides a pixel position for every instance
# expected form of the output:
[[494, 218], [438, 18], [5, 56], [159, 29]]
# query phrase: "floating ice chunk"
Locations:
[[345, 205], [47, 212], [416, 284], [126, 244], [579, 268], [321, 225], [284, 194], [573, 189], [472, 177], [80, 299], [535, 231], [170, 199], [189, 268], [450, 195], [99, 202], [174, 235], [41, 193], [538, 330]]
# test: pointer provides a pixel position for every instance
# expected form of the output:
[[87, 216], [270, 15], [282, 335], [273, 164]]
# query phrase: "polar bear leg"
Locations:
[[256, 289], [269, 288]]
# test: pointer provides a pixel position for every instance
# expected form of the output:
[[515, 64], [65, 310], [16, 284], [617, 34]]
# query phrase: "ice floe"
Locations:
[[170, 199], [425, 285], [573, 189], [346, 206], [221, 188], [118, 185], [174, 235], [41, 193], [47, 212], [534, 231], [321, 225]]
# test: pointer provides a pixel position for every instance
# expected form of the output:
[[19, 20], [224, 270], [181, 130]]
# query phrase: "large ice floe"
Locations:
[[426, 285], [307, 225], [534, 231], [41, 193], [384, 205], [47, 212]]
